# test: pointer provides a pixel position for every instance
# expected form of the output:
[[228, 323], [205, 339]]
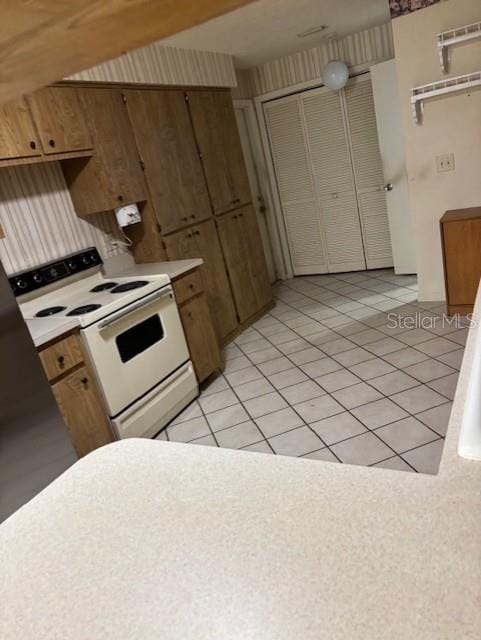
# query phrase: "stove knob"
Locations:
[[71, 264], [37, 278], [53, 272], [93, 258], [85, 260], [21, 284]]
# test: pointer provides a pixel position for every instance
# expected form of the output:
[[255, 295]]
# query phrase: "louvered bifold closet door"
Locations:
[[368, 172], [333, 178], [295, 185]]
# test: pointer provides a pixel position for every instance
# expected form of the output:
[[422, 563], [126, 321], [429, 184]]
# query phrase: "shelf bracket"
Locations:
[[441, 88], [447, 39]]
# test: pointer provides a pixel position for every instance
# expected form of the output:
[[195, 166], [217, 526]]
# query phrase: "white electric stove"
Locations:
[[131, 332]]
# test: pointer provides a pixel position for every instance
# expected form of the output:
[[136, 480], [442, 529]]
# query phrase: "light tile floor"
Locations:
[[328, 375]]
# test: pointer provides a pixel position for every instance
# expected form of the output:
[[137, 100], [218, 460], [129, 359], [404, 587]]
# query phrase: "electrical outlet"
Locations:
[[445, 162]]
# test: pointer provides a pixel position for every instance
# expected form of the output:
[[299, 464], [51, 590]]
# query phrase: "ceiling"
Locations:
[[267, 29]]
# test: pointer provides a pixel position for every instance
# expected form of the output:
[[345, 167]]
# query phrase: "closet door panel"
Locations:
[[344, 241], [295, 185], [368, 172], [333, 176]]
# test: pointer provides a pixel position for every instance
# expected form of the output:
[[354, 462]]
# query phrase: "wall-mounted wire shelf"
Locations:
[[449, 38], [441, 88]]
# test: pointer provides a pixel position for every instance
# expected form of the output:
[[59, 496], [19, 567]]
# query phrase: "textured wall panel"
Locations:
[[39, 220], [359, 50], [165, 65]]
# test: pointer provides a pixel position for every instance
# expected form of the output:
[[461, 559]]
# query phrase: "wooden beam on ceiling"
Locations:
[[43, 41]]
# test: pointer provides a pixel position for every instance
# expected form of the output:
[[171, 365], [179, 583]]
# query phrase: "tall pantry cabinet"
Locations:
[[193, 163]]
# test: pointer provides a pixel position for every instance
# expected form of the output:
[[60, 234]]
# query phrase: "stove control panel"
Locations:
[[45, 274]]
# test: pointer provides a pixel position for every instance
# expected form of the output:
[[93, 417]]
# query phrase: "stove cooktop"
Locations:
[[89, 296]]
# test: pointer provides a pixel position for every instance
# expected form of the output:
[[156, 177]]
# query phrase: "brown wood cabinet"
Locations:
[[77, 395], [217, 135], [113, 176], [18, 138], [165, 140], [197, 322], [461, 243], [241, 242], [60, 119], [202, 241]]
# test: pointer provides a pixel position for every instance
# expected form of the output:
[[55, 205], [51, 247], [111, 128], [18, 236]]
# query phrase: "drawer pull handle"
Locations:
[[191, 286], [61, 360], [33, 145], [84, 381], [51, 143]]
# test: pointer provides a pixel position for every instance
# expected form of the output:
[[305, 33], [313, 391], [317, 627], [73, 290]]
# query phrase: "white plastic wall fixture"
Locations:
[[449, 38], [469, 443], [443, 87]]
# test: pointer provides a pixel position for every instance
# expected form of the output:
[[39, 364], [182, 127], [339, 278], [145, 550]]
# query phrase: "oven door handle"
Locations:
[[162, 293]]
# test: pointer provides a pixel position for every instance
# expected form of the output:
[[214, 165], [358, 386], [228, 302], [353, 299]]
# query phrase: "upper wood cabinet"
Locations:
[[244, 256], [217, 135], [202, 241], [113, 176], [60, 120], [167, 148], [18, 138]]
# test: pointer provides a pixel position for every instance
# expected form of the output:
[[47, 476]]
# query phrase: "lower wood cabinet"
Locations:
[[198, 327], [202, 241], [79, 402], [461, 243], [244, 256], [77, 395]]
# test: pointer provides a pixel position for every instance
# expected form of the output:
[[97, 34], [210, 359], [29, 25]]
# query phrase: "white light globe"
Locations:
[[336, 74]]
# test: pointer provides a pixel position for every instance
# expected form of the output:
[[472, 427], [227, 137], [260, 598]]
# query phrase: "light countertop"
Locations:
[[158, 540], [173, 268], [43, 330]]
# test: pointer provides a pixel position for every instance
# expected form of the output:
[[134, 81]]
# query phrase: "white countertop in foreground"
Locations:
[[43, 330], [148, 540]]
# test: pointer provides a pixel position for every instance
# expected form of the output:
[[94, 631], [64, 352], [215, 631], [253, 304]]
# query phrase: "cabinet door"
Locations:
[[201, 338], [202, 241], [79, 402], [60, 120], [166, 144], [217, 286], [218, 138], [237, 261], [18, 138], [113, 176], [256, 258]]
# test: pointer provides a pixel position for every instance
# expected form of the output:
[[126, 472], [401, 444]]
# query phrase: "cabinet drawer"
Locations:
[[187, 286], [61, 356]]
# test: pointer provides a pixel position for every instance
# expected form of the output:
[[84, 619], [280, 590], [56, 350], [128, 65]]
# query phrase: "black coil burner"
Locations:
[[86, 308], [128, 286], [105, 286], [49, 311]]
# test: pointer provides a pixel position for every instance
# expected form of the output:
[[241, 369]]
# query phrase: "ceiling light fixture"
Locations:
[[312, 31]]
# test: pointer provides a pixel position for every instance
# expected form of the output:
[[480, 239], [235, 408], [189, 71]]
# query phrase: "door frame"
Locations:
[[254, 132]]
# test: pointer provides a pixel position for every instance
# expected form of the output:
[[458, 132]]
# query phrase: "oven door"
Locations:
[[135, 348]]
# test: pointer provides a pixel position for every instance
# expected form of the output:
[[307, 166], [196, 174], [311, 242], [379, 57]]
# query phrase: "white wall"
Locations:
[[450, 125]]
